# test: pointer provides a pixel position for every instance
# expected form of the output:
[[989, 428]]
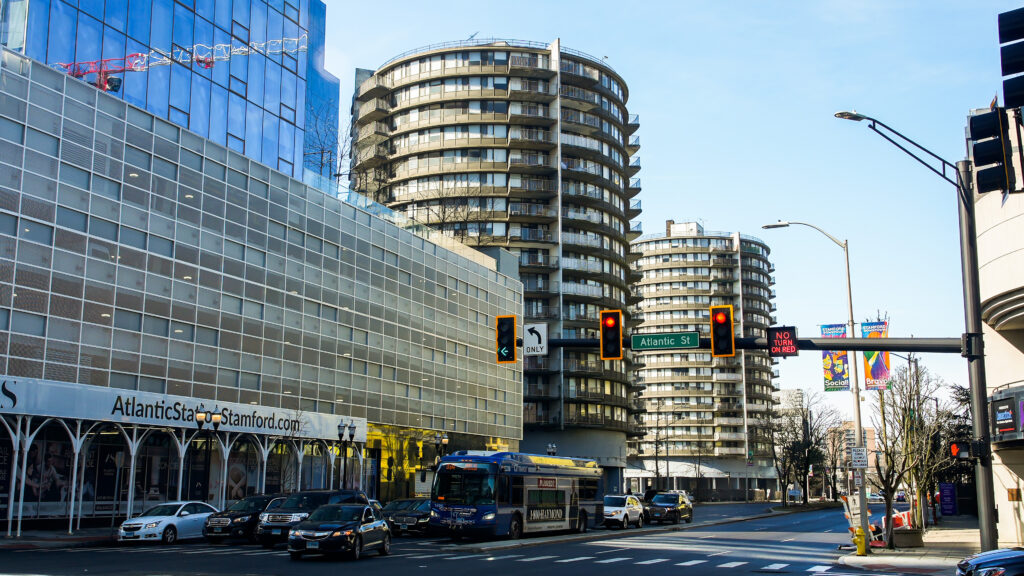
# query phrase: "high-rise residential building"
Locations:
[[246, 74], [525, 146], [182, 317], [703, 414]]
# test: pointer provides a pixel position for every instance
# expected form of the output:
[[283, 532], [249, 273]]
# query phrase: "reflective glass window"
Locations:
[[181, 87], [135, 84], [253, 130], [223, 14], [220, 71], [113, 47], [71, 219], [26, 323], [139, 15], [63, 24], [272, 94], [203, 35], [116, 14], [236, 115], [93, 7], [270, 133], [89, 38], [157, 90], [160, 26], [38, 23], [182, 34], [206, 9], [218, 113], [36, 232], [240, 11], [255, 83], [258, 21], [199, 113]]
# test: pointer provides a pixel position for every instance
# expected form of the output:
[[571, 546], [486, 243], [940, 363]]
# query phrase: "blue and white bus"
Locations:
[[510, 493]]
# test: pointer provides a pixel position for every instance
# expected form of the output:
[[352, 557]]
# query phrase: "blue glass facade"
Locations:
[[234, 71]]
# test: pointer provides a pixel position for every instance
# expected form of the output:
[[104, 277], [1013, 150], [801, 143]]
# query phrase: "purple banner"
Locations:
[[947, 498], [834, 363]]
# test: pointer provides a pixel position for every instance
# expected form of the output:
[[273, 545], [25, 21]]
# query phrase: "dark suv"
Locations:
[[668, 506], [275, 524], [240, 519]]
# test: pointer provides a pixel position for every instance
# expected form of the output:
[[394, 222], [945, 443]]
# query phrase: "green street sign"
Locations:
[[665, 341]]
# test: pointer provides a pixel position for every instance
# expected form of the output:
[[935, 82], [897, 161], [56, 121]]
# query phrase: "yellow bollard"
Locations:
[[858, 539]]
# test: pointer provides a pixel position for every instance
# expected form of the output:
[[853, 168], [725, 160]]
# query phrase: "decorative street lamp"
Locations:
[[959, 176], [346, 434], [441, 443], [862, 504], [214, 418], [552, 449]]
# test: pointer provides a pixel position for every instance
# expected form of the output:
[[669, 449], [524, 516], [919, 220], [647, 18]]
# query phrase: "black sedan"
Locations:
[[240, 519], [408, 514], [340, 529], [1005, 562]]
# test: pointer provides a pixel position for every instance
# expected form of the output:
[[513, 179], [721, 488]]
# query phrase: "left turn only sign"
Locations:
[[535, 340]]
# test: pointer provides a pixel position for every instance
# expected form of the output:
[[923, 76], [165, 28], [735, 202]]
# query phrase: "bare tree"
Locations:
[[835, 450], [323, 145]]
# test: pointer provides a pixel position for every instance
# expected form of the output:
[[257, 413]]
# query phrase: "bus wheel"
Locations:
[[515, 528], [582, 525]]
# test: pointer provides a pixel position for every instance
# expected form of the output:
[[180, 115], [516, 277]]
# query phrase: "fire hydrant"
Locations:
[[860, 542]]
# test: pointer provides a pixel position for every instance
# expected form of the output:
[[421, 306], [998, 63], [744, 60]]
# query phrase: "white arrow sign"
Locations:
[[535, 340]]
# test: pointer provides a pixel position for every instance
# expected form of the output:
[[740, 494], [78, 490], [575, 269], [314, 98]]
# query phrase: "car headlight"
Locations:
[[152, 525], [421, 520], [340, 533], [296, 533], [992, 571], [242, 519], [299, 517], [489, 516], [433, 513], [264, 516]]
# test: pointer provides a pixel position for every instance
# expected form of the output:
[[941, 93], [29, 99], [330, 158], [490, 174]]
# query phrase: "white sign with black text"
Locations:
[[535, 340]]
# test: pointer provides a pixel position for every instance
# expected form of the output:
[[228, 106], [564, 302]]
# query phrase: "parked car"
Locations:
[[273, 526], [622, 510], [408, 514], [240, 519], [338, 529], [167, 523], [1004, 562], [669, 507]]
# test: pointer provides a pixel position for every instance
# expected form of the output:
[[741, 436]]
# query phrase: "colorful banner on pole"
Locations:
[[837, 374], [876, 364]]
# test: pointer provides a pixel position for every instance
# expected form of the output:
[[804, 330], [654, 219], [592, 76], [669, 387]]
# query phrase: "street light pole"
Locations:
[[862, 500], [973, 337]]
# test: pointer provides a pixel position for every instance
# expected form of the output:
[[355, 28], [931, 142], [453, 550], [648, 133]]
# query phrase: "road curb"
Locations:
[[512, 544]]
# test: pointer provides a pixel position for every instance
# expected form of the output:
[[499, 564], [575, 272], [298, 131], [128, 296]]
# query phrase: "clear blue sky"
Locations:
[[736, 103]]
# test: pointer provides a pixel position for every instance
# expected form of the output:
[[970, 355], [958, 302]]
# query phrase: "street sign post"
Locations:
[[665, 341], [859, 457]]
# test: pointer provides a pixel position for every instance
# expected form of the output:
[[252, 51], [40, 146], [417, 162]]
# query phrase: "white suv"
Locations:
[[622, 510]]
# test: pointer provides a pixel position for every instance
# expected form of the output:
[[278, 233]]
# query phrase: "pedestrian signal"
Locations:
[[960, 450]]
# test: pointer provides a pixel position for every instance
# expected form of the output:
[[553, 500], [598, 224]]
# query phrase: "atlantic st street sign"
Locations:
[[665, 341]]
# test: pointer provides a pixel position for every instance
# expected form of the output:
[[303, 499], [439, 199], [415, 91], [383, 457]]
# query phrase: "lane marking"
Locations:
[[503, 557], [535, 558], [612, 550], [731, 564], [421, 556], [789, 539], [576, 559], [705, 537], [819, 569], [611, 560], [691, 562], [719, 553], [655, 561], [775, 567], [465, 557]]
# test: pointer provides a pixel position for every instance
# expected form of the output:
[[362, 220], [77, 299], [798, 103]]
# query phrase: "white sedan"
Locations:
[[167, 523]]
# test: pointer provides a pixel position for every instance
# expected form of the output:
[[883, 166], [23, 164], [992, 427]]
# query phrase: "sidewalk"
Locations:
[[952, 540], [37, 539]]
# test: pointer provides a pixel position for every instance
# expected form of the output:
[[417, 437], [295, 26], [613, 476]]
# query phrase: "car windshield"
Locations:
[[162, 510], [423, 506], [307, 501], [248, 505], [396, 505], [665, 499], [619, 501], [337, 514]]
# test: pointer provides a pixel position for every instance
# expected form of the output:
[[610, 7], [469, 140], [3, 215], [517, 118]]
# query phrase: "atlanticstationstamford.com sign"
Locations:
[[28, 396], [1006, 414]]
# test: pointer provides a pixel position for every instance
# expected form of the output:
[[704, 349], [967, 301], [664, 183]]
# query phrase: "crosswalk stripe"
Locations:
[[819, 569], [465, 557], [654, 561], [503, 557], [691, 562], [775, 567], [422, 556], [535, 558], [731, 564], [719, 553], [611, 560], [576, 559], [260, 553]]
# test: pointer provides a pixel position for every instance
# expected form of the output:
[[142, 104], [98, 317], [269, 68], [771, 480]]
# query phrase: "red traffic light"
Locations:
[[610, 321], [721, 318]]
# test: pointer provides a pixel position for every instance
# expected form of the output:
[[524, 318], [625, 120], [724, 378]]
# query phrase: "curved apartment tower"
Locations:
[[705, 415], [524, 146]]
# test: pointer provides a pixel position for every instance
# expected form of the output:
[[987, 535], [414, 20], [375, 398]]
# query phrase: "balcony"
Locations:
[[540, 287], [633, 146], [373, 110], [585, 290], [633, 167], [529, 114], [531, 210], [534, 185], [373, 87], [633, 188], [531, 138], [532, 235], [633, 124], [729, 436], [726, 377], [634, 209], [536, 66], [373, 156], [542, 313], [531, 90], [373, 133], [636, 229], [582, 265], [533, 163], [529, 260], [728, 421]]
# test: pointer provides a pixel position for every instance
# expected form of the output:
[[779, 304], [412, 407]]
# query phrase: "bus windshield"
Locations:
[[460, 486]]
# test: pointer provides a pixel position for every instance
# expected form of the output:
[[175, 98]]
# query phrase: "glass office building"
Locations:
[[238, 72], [148, 274]]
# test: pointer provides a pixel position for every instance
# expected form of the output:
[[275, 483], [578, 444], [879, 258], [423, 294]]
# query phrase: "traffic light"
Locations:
[[723, 339], [989, 145], [611, 335], [1011, 56], [506, 339], [960, 450]]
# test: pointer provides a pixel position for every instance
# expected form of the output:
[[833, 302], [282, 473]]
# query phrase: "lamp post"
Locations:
[[973, 339], [858, 429], [213, 418], [552, 449], [441, 443], [346, 433]]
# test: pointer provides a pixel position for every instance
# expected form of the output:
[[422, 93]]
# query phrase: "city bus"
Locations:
[[485, 494]]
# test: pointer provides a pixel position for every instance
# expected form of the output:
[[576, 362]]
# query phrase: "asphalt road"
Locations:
[[800, 543]]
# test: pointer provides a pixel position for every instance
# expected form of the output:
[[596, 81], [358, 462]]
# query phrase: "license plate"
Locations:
[[657, 514], [403, 526], [275, 531], [130, 536], [312, 545], [219, 529]]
